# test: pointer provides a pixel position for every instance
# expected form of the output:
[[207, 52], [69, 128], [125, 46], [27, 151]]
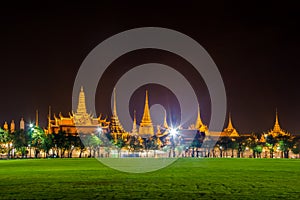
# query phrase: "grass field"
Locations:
[[186, 178]]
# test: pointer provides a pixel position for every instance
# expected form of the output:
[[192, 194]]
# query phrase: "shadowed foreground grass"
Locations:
[[186, 178]]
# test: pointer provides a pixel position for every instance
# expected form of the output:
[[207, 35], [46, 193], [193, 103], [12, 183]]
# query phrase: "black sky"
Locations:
[[255, 46]]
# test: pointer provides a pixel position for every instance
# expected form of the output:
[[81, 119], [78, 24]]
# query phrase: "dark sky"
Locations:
[[255, 46]]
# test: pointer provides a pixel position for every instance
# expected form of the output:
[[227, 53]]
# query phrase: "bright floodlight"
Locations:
[[30, 125], [173, 131]]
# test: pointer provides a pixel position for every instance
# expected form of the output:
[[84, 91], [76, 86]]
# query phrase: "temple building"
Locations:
[[77, 122], [134, 130], [115, 126], [146, 127], [276, 131], [230, 131], [199, 124]]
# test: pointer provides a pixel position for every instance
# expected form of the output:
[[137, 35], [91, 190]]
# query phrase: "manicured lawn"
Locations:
[[186, 178]]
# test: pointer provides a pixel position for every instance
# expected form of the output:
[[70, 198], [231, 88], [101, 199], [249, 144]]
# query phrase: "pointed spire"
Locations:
[[146, 127], [49, 112], [115, 104], [22, 124], [230, 126], [81, 108], [12, 126], [199, 122], [146, 116], [276, 125], [276, 118], [37, 118], [49, 119], [165, 121], [230, 130], [134, 128], [115, 125]]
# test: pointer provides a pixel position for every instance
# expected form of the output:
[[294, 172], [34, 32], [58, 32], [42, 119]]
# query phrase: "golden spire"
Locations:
[[165, 121], [134, 128], [81, 108], [230, 130], [199, 122], [276, 125], [115, 104], [146, 116], [230, 126], [146, 127], [37, 118], [49, 119], [115, 126]]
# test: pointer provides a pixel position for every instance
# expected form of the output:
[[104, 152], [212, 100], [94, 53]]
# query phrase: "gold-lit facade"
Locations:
[[77, 122], [146, 127]]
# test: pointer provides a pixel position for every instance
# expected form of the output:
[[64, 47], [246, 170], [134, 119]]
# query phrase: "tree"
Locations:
[[37, 139], [296, 150], [286, 143], [233, 145], [223, 144], [197, 143], [61, 142], [20, 140], [271, 141], [79, 145], [119, 144], [134, 144], [242, 143], [5, 142]]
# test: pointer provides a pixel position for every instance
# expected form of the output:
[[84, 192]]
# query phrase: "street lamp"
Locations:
[[173, 132]]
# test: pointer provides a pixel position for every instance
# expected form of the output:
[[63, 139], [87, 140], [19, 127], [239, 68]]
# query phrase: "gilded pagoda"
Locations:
[[77, 122], [146, 127], [230, 131]]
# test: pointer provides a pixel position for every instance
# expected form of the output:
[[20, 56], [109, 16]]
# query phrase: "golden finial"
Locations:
[[37, 118]]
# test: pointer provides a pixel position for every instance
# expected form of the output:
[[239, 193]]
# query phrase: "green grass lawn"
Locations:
[[186, 178]]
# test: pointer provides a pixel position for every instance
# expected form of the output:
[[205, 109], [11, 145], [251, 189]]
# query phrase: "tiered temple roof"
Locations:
[[146, 127], [78, 122], [277, 129], [230, 131]]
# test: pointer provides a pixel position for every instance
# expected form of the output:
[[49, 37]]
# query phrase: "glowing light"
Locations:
[[30, 125], [173, 131]]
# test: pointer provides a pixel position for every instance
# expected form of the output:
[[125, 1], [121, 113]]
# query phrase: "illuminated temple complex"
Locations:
[[77, 122], [82, 122], [230, 131]]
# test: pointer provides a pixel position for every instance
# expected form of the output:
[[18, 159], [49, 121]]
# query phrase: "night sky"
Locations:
[[255, 46]]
